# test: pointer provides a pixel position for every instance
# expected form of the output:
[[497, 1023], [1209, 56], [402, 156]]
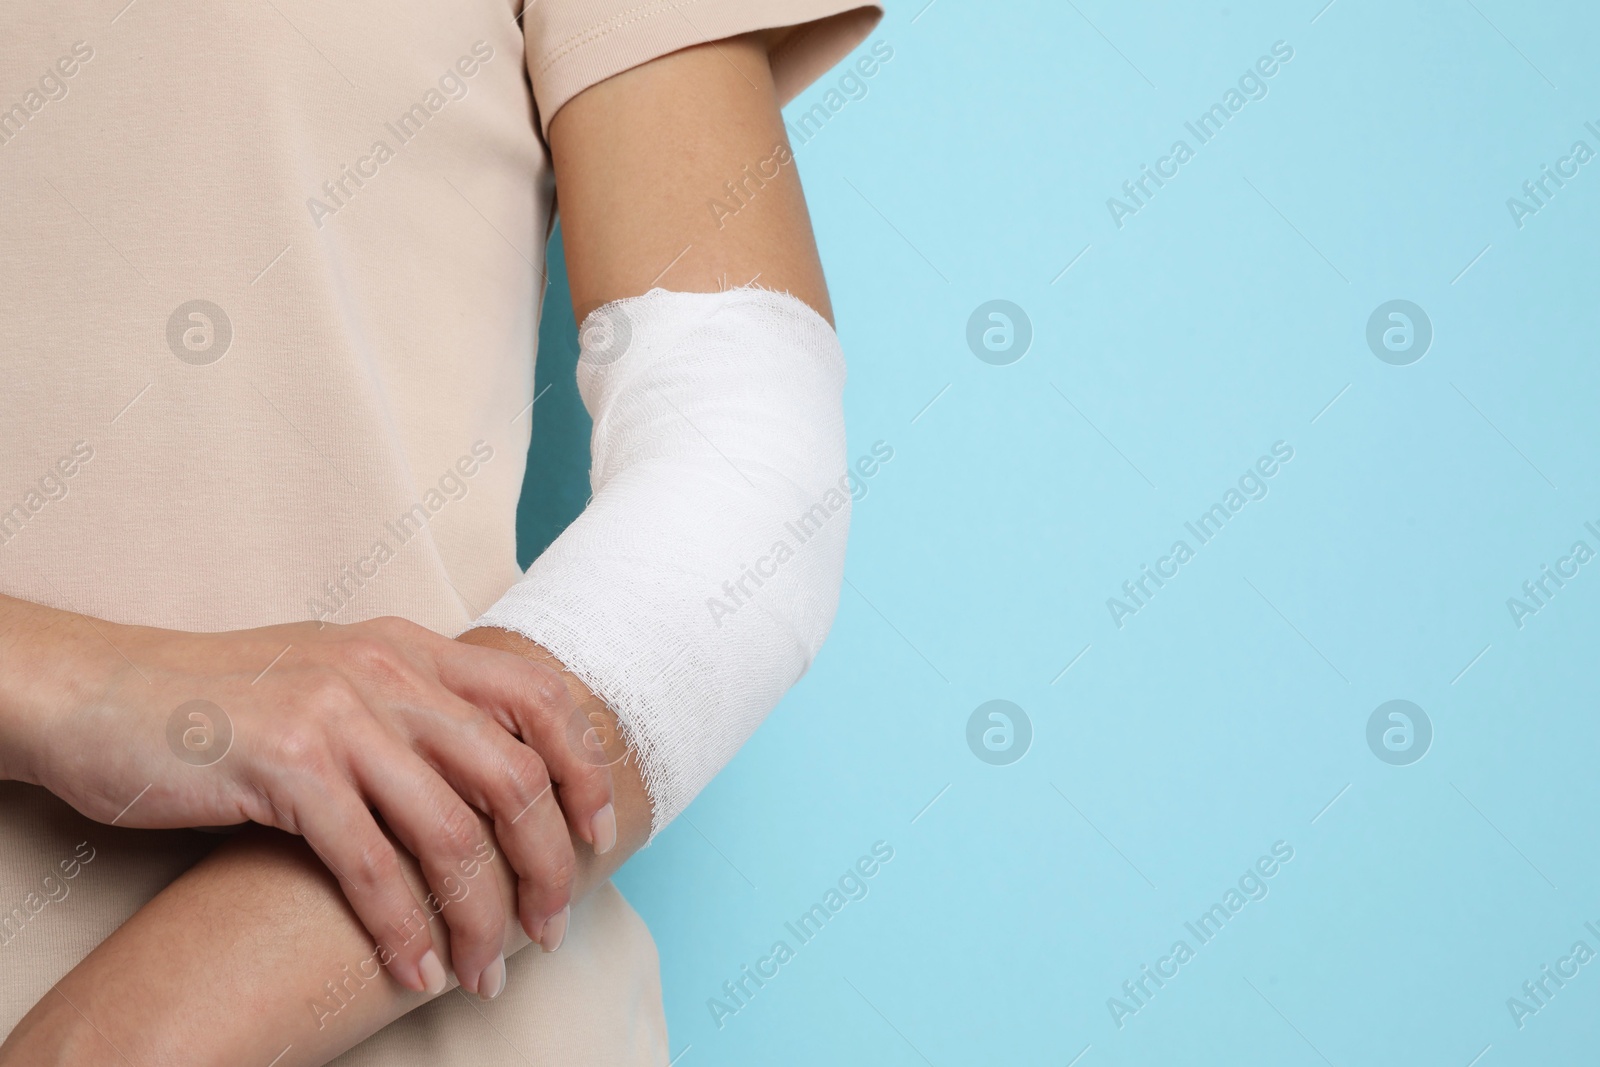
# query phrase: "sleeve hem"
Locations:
[[566, 56]]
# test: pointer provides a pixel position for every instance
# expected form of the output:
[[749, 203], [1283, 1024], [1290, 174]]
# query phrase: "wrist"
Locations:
[[52, 665]]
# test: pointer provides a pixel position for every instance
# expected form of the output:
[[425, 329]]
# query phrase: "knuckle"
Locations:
[[409, 642], [394, 628], [332, 695], [301, 745], [382, 662], [544, 688], [373, 865], [559, 875], [371, 654], [387, 625], [527, 777], [460, 831]]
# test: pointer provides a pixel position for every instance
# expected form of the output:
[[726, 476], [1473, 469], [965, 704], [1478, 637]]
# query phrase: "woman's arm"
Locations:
[[218, 968], [222, 966], [305, 727], [644, 163]]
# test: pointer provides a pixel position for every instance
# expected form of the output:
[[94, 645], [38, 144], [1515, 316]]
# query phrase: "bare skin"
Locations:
[[304, 727], [249, 931]]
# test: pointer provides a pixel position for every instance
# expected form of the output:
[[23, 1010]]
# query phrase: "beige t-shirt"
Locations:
[[271, 278]]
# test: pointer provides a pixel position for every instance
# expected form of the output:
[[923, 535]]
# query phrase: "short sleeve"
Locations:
[[573, 44]]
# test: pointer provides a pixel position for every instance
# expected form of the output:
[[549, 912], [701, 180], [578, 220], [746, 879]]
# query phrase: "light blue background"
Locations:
[[1228, 713]]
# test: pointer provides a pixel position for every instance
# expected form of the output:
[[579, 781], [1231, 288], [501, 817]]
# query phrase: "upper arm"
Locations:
[[677, 173]]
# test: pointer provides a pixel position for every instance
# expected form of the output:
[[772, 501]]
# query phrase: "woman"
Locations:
[[273, 277]]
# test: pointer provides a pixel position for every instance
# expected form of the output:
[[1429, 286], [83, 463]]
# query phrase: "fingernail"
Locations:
[[555, 931], [604, 829], [433, 979], [493, 979]]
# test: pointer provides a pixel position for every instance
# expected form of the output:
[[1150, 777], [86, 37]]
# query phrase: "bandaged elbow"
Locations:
[[701, 580]]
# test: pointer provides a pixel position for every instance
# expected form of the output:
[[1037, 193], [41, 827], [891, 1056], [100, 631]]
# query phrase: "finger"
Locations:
[[345, 836], [500, 775], [578, 745], [446, 837], [544, 895]]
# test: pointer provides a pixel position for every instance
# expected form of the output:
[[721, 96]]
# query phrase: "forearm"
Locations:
[[227, 964]]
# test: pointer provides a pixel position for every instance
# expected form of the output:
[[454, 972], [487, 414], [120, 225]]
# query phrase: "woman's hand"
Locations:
[[306, 727]]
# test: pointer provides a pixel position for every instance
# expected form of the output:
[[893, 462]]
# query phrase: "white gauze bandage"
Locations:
[[700, 581]]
